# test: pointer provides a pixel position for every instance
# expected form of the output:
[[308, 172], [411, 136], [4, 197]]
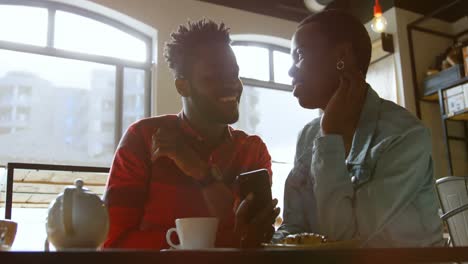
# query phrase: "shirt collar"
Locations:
[[366, 127], [188, 129]]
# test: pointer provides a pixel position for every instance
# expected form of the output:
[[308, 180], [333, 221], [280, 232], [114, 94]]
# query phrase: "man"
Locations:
[[364, 169], [184, 165]]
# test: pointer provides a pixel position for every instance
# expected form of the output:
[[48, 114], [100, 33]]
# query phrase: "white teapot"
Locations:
[[77, 218]]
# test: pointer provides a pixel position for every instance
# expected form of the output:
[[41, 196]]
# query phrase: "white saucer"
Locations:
[[4, 248]]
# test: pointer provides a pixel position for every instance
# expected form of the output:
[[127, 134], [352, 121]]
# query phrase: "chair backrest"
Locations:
[[453, 196]]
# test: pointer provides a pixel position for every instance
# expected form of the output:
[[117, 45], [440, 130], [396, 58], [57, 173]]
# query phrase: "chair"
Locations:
[[453, 197], [31, 190]]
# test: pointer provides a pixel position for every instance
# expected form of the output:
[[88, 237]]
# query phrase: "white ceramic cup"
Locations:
[[194, 233]]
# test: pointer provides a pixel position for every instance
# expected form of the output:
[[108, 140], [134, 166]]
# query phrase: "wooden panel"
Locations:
[[21, 187], [30, 205], [36, 189], [33, 198], [427, 6], [65, 178]]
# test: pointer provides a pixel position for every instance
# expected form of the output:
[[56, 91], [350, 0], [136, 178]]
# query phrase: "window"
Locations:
[[267, 106], [51, 108], [71, 82], [282, 63], [82, 34], [133, 99], [28, 31], [381, 76], [253, 56], [381, 73]]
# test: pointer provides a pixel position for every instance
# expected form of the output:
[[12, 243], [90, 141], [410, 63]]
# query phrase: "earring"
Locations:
[[340, 65]]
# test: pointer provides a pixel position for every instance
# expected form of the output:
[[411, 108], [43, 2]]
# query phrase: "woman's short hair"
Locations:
[[339, 26]]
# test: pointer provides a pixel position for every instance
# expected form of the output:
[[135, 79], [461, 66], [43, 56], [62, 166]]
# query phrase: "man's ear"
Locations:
[[183, 87], [344, 52]]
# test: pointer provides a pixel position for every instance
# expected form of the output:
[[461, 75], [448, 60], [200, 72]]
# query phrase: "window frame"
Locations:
[[119, 64], [265, 84]]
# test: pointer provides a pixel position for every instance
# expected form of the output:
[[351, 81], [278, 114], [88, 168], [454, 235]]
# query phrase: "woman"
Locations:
[[364, 169]]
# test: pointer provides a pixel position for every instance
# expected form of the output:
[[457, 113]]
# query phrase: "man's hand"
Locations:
[[259, 229], [342, 114], [171, 144]]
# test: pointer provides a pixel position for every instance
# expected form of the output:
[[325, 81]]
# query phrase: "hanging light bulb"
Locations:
[[315, 5], [379, 23]]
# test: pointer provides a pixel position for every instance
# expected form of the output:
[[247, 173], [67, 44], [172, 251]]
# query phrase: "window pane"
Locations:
[[253, 62], [63, 113], [282, 61], [134, 97], [32, 232], [81, 34], [277, 118], [3, 180], [23, 24]]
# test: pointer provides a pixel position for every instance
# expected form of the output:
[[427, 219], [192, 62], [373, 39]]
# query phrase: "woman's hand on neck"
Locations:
[[343, 111]]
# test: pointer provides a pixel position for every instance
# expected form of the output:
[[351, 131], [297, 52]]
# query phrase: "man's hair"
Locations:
[[339, 26], [181, 49]]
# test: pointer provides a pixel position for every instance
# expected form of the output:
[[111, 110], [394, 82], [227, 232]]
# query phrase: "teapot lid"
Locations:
[[79, 184]]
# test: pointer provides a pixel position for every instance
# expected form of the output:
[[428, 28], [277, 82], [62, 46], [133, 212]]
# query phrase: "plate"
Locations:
[[200, 249], [344, 244]]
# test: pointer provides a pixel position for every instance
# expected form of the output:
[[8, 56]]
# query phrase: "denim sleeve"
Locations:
[[396, 208], [295, 209], [333, 188], [406, 206]]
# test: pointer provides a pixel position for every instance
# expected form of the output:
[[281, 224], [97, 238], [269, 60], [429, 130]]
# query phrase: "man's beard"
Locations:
[[209, 111]]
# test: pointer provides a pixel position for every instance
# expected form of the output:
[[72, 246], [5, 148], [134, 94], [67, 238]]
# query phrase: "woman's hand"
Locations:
[[343, 111]]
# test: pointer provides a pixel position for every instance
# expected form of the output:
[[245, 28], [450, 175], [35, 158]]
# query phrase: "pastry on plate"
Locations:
[[304, 239]]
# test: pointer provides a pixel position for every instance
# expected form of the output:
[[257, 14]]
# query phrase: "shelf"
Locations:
[[434, 96], [447, 86], [457, 138], [459, 116], [431, 98]]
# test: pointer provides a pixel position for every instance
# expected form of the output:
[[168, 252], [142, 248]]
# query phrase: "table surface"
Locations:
[[238, 256]]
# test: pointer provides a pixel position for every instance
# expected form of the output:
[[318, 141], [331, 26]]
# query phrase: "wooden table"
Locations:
[[361, 256]]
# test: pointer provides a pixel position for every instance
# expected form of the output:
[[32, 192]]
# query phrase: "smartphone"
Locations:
[[258, 183]]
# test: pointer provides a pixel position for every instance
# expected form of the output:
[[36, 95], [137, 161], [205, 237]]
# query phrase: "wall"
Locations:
[[165, 15], [390, 15]]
